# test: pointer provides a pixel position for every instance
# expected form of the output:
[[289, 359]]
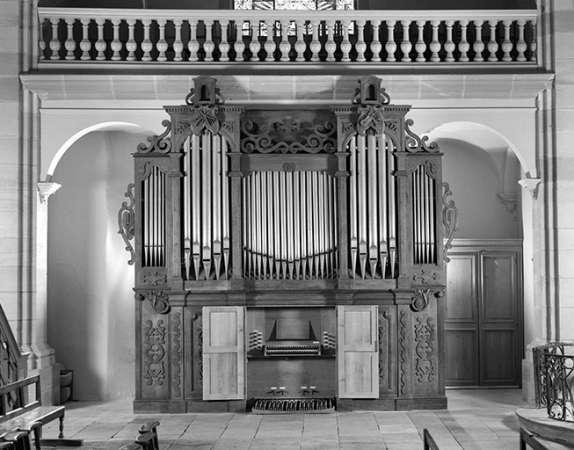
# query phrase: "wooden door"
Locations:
[[461, 320], [223, 353], [357, 358], [483, 321], [499, 310]]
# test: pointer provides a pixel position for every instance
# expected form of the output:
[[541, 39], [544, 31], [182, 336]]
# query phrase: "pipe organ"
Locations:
[[287, 257]]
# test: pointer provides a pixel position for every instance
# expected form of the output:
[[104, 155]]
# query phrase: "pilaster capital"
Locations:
[[45, 189], [531, 185]]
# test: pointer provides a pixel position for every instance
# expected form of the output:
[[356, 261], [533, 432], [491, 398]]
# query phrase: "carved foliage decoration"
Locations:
[[275, 132], [176, 355], [424, 338], [126, 222], [425, 276], [449, 220], [420, 300], [416, 144], [158, 143], [159, 300], [154, 353], [402, 352]]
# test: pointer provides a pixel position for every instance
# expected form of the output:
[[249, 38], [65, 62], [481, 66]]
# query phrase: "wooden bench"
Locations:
[[428, 440], [21, 411]]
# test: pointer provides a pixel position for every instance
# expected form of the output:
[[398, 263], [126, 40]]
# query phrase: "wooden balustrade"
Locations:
[[359, 37]]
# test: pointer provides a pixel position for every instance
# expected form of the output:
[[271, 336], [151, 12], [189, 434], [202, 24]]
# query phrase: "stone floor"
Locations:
[[475, 419]]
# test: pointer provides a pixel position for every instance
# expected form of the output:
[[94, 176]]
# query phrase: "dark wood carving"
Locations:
[[425, 349], [154, 351]]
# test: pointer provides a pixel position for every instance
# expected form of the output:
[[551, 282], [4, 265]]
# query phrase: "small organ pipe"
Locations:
[[353, 206], [225, 207], [264, 217], [362, 174], [373, 203], [290, 224], [384, 147], [297, 223], [195, 204], [216, 204], [304, 220], [206, 212]]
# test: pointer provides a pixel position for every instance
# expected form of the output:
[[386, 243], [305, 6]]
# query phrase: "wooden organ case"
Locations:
[[287, 254]]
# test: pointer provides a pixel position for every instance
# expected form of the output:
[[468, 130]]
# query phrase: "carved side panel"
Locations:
[[154, 345], [387, 351], [176, 352], [193, 339], [425, 354], [404, 351]]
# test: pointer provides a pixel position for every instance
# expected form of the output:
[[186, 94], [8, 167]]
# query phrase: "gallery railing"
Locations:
[[554, 378], [477, 37]]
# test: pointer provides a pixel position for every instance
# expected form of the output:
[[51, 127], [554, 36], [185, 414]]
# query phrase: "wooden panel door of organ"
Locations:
[[357, 351], [223, 353]]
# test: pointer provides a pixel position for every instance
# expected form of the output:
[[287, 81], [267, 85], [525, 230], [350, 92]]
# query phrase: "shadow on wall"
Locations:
[[90, 297]]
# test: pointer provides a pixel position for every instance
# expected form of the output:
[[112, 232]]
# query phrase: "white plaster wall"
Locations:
[[90, 297], [474, 180]]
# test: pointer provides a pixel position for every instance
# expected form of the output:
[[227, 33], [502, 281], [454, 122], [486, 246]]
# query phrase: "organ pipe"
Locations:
[[290, 225], [153, 191], [424, 214]]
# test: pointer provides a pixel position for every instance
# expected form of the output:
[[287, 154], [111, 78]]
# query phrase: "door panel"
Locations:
[[461, 321], [499, 321], [223, 353], [483, 326], [357, 352]]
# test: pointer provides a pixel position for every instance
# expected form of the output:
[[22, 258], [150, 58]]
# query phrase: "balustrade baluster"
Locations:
[[391, 45], [492, 44], [435, 44], [360, 45], [239, 45], [146, 43], [534, 43], [85, 44], [100, 43], [421, 46], [55, 45], [116, 45], [300, 45], [161, 43], [224, 45], [506, 44], [255, 45], [270, 42], [315, 45], [42, 39], [285, 45], [177, 43], [70, 44], [346, 44], [406, 45], [521, 44], [193, 45], [463, 46], [208, 45], [330, 45], [449, 46], [376, 45], [478, 45], [131, 44]]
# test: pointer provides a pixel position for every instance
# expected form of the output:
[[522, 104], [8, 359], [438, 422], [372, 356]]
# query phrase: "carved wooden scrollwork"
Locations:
[[154, 353], [126, 222], [416, 144], [424, 338], [420, 300], [449, 220], [159, 300], [370, 117], [176, 352], [158, 143], [284, 134], [402, 352]]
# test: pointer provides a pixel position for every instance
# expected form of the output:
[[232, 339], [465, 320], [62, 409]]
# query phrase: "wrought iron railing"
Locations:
[[418, 38], [554, 379]]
